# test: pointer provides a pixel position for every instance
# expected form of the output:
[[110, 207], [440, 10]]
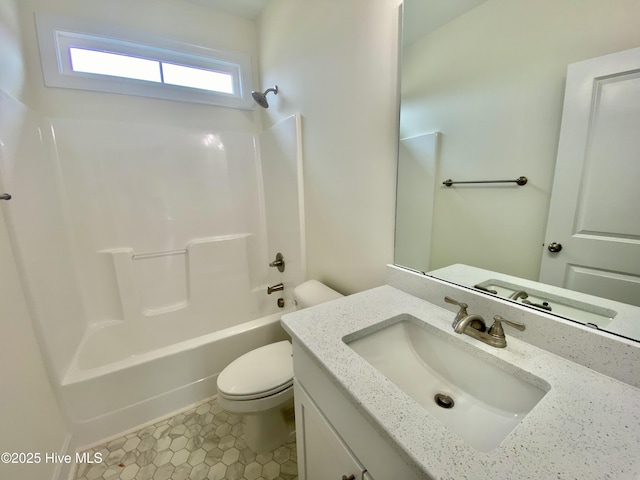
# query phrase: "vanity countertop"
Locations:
[[586, 427]]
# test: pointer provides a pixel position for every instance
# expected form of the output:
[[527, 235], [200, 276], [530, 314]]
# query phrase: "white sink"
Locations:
[[488, 401]]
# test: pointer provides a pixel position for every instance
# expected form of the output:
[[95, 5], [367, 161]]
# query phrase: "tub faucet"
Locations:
[[276, 288]]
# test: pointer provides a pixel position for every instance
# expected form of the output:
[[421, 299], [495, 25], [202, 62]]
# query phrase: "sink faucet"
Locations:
[[521, 294], [476, 322], [461, 313], [468, 323], [475, 326], [518, 294]]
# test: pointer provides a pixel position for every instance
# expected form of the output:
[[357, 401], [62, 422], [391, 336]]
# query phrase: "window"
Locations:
[[76, 55], [114, 64]]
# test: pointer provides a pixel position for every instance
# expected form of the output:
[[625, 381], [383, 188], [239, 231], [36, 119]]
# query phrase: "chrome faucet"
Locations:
[[475, 326]]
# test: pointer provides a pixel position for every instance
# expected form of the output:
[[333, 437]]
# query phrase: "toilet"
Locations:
[[259, 384]]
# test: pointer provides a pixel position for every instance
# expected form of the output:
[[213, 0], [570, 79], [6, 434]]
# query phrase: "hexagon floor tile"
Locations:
[[202, 443]]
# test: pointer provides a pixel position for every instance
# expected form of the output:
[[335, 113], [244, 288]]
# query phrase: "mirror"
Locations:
[[482, 90]]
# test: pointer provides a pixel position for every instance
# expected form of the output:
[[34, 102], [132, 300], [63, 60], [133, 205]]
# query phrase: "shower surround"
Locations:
[[144, 251]]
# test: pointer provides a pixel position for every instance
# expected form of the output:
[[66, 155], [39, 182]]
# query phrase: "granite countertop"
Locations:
[[587, 426]]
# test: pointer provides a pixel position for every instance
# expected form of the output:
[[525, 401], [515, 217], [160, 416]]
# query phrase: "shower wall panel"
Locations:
[[281, 156], [37, 226], [153, 190]]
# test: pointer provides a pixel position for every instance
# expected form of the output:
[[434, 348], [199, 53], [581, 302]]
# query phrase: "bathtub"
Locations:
[[119, 379]]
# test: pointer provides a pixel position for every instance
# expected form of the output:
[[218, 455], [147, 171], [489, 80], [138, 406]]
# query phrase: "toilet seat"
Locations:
[[259, 373]]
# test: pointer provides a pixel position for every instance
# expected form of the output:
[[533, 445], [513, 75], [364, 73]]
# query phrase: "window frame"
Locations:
[[56, 34]]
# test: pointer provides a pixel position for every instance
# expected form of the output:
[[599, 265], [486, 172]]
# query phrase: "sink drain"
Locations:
[[443, 400]]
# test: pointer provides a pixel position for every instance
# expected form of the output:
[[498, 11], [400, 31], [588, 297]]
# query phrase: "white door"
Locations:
[[595, 203]]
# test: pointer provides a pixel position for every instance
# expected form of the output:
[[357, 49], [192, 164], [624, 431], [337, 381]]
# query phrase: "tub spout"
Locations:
[[276, 288]]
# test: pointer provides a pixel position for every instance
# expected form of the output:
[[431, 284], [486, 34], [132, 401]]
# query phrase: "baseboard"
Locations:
[[63, 470]]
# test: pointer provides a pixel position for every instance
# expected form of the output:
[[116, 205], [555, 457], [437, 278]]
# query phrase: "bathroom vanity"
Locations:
[[364, 411]]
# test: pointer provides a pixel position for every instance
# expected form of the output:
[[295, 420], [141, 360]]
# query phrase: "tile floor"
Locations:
[[200, 443]]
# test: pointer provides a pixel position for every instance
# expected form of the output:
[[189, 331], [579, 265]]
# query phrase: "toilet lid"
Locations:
[[258, 373]]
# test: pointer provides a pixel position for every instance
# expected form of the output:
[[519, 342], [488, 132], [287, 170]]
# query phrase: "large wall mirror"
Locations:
[[482, 94]]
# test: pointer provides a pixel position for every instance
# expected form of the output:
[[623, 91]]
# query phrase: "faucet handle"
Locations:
[[463, 306], [496, 329], [461, 313]]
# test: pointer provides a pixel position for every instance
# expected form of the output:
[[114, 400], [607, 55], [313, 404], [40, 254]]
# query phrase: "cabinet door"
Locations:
[[322, 455]]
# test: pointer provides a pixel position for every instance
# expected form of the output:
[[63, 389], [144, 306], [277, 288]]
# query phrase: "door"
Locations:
[[592, 244]]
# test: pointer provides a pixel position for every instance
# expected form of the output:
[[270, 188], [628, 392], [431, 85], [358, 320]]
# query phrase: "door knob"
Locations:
[[554, 247], [350, 477]]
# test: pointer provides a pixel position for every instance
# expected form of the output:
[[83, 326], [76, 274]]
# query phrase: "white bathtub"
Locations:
[[119, 379]]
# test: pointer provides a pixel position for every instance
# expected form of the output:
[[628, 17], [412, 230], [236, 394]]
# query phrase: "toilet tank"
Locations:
[[312, 292]]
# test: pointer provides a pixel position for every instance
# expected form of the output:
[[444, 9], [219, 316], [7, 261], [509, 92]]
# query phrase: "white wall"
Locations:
[[12, 73], [492, 81], [179, 21], [335, 63], [29, 414]]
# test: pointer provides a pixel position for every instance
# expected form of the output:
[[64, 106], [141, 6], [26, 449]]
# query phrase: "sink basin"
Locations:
[[478, 397]]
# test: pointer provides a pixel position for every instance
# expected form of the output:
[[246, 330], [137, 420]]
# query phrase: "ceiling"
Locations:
[[424, 16], [250, 9]]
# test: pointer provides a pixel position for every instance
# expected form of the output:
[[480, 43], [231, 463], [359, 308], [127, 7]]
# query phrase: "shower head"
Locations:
[[261, 98]]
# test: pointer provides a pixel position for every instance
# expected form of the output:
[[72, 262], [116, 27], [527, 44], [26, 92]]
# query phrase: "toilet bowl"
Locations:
[[259, 384]]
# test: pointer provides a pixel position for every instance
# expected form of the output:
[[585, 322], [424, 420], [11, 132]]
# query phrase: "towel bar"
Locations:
[[520, 181]]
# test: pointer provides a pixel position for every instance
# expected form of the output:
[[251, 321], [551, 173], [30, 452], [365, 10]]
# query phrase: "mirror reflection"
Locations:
[[484, 84]]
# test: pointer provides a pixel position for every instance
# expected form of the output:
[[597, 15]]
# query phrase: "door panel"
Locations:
[[594, 211]]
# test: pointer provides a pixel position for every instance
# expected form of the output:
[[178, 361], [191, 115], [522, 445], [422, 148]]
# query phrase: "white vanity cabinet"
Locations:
[[322, 454], [387, 433], [334, 440]]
